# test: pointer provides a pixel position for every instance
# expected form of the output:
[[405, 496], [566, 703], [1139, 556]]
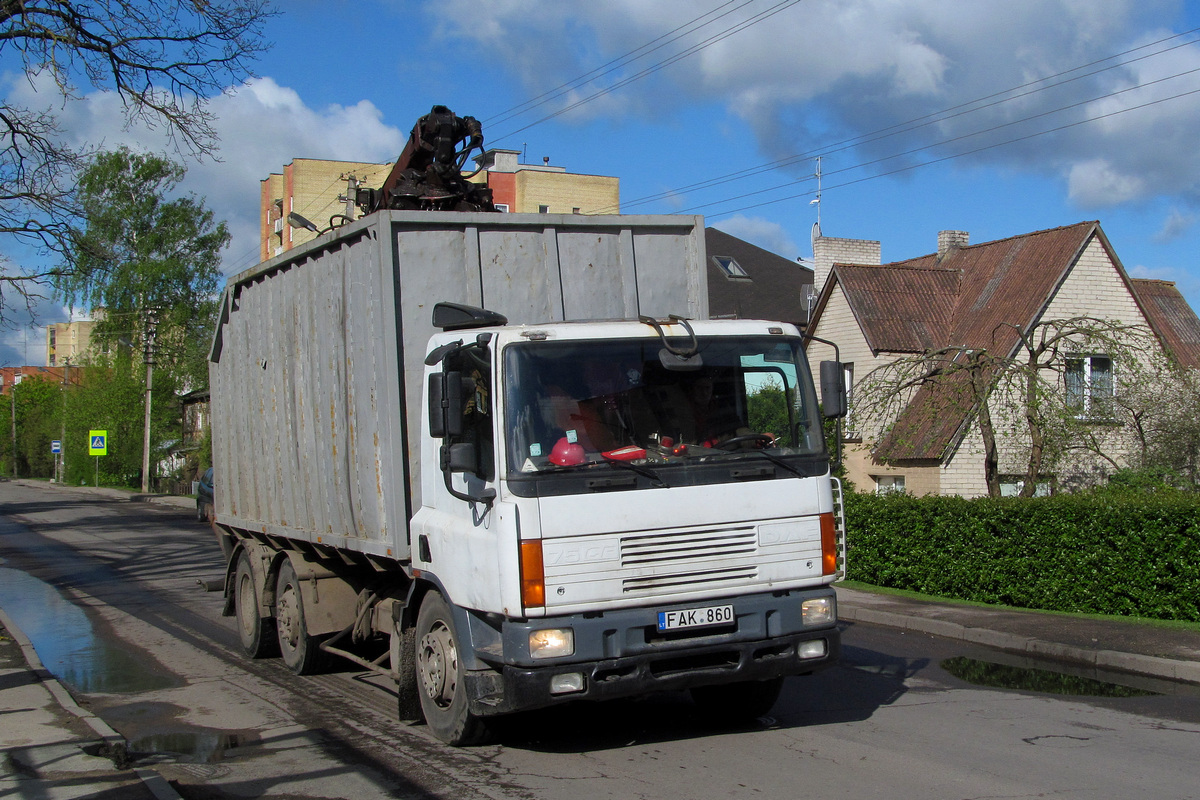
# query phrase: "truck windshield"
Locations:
[[577, 404]]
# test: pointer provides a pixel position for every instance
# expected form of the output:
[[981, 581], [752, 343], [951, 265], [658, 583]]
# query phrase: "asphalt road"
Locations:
[[113, 595]]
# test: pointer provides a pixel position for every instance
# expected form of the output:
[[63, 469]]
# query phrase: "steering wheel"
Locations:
[[763, 440]]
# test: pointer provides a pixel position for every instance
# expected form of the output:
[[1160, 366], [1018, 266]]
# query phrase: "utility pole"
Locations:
[[62, 441], [348, 198], [12, 393], [151, 332]]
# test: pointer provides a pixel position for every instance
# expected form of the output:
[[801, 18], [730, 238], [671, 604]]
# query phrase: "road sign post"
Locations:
[[97, 446]]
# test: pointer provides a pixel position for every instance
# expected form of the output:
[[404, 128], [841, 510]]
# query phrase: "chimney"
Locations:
[[948, 240], [828, 251]]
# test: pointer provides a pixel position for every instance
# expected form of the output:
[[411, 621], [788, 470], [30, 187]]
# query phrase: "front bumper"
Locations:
[[766, 644]]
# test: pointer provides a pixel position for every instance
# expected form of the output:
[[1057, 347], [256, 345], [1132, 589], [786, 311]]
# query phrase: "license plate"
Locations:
[[695, 617]]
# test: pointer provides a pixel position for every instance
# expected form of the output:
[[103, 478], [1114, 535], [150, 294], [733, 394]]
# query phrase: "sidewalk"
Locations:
[[51, 747], [1106, 643]]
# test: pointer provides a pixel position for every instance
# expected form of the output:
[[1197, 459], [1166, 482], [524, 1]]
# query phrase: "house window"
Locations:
[[848, 382], [1011, 486], [889, 484], [1089, 384], [502, 207], [731, 268], [543, 209]]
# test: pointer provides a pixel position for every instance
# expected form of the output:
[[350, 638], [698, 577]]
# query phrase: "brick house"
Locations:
[[974, 298]]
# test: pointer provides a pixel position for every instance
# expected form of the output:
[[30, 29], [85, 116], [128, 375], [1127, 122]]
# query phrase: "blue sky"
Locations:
[[997, 117]]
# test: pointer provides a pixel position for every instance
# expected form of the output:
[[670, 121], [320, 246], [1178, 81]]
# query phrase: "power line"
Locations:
[[910, 167], [613, 65], [961, 137], [741, 26], [922, 121]]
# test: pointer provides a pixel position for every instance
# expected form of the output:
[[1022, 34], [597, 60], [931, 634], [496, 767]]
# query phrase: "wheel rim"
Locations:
[[437, 660], [287, 618]]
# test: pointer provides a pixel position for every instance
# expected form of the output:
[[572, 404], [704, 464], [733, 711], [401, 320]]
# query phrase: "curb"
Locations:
[[1135, 664], [174, 500], [115, 743]]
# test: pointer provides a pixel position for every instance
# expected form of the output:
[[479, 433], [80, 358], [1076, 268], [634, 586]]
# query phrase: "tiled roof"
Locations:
[[774, 290], [900, 309], [1172, 318], [975, 297]]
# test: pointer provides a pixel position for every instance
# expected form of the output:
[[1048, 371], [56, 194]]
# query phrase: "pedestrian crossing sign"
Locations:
[[97, 443]]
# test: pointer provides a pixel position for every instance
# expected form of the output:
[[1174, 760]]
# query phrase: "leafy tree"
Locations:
[[1019, 396], [767, 409], [110, 398], [152, 263], [36, 403], [163, 58], [1162, 408]]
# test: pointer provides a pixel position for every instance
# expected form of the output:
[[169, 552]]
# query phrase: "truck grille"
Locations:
[[688, 559]]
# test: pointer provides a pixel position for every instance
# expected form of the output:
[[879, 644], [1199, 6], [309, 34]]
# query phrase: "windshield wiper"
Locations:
[[774, 459], [645, 472]]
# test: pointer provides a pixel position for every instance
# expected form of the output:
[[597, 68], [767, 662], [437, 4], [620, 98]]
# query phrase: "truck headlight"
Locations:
[[818, 611], [552, 643]]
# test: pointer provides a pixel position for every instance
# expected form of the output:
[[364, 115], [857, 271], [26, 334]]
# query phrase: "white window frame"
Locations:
[[730, 268], [1090, 387], [851, 431], [889, 484]]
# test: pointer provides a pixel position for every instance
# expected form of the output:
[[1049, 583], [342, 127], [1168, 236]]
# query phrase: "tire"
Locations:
[[440, 677], [404, 653], [738, 702], [301, 652], [256, 633]]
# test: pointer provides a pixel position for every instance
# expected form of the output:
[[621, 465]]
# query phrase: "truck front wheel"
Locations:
[[737, 702], [256, 634], [440, 676], [301, 652]]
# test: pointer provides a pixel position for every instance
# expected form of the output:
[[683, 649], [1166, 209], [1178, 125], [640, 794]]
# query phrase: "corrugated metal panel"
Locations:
[[1174, 320]]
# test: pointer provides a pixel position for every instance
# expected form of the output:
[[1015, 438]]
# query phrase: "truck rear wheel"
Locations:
[[440, 676], [256, 634], [301, 652], [404, 653], [738, 702]]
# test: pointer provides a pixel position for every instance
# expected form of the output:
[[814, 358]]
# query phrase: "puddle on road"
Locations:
[[192, 747], [1003, 676], [66, 641]]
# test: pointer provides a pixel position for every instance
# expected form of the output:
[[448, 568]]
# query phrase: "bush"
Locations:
[[1126, 553]]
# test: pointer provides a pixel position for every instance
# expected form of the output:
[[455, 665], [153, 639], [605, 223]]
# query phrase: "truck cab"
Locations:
[[624, 507]]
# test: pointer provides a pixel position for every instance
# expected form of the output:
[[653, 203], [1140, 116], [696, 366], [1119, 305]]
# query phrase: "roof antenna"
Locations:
[[817, 201]]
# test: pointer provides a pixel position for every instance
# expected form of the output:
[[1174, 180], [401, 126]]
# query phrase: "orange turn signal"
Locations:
[[829, 550], [533, 574]]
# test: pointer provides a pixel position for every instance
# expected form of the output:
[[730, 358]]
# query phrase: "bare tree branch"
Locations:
[[163, 58]]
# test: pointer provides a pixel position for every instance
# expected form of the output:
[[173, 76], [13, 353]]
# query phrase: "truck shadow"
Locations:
[[864, 681]]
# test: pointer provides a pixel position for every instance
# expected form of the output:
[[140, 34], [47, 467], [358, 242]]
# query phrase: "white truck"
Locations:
[[510, 508]]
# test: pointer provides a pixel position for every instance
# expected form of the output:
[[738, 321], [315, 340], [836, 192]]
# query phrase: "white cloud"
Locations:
[[1098, 183], [825, 70], [262, 126], [1176, 224]]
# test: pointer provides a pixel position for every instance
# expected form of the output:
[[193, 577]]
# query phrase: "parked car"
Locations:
[[204, 496]]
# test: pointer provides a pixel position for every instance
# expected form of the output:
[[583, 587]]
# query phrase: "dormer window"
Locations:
[[731, 268]]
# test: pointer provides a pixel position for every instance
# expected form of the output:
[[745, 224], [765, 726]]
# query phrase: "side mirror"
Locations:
[[447, 394], [833, 390], [458, 457]]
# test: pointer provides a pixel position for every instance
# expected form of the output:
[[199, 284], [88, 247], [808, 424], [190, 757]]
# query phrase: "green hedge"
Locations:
[[1127, 554]]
